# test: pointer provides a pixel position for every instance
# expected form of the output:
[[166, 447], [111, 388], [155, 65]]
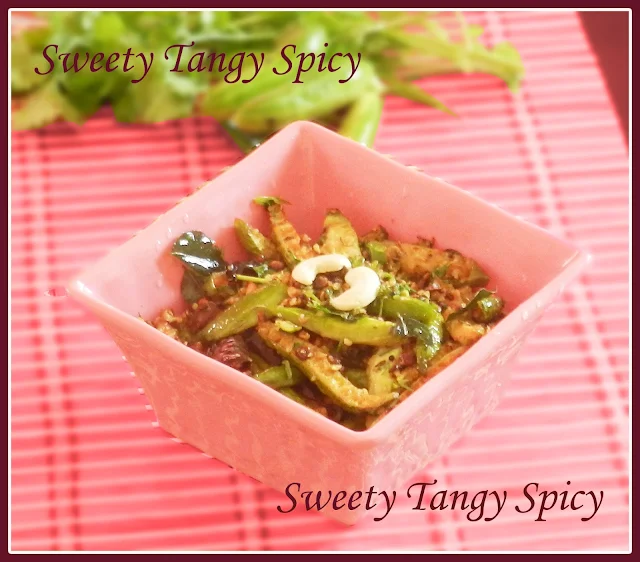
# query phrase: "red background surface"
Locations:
[[608, 33]]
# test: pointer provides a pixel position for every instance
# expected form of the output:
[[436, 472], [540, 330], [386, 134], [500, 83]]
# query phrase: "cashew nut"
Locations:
[[364, 284], [305, 272]]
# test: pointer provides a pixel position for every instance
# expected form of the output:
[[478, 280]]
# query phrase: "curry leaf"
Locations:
[[198, 253], [463, 312], [429, 338], [192, 286], [412, 328]]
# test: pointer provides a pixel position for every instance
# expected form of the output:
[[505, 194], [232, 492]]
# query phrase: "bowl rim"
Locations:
[[397, 417]]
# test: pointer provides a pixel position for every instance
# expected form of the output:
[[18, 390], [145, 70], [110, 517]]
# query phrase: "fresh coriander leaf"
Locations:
[[44, 106], [24, 58], [433, 52], [388, 41], [160, 96], [413, 92]]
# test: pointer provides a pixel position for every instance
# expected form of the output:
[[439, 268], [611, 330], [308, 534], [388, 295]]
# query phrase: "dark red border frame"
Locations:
[[264, 5]]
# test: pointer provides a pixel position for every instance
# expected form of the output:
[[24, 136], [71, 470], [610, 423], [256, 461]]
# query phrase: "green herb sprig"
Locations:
[[396, 48]]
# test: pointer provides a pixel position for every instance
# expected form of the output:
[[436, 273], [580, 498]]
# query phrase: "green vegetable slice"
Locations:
[[379, 378], [320, 371], [287, 240], [254, 241], [418, 260], [243, 314], [361, 330], [280, 376], [339, 237]]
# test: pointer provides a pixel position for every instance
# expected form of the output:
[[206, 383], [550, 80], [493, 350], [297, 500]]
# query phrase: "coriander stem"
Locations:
[[252, 279]]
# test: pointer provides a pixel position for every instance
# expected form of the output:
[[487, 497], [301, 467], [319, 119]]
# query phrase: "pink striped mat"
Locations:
[[91, 470]]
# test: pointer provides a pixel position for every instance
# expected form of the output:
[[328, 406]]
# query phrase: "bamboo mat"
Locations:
[[91, 470]]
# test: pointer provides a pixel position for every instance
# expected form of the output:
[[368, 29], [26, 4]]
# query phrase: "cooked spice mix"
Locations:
[[348, 326]]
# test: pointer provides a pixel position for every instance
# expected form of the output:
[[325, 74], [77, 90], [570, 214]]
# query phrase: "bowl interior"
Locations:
[[316, 169]]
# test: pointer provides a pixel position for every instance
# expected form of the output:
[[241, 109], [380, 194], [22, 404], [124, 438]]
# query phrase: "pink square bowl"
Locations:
[[255, 429]]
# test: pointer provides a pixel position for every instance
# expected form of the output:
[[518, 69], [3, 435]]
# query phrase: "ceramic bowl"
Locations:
[[260, 432]]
